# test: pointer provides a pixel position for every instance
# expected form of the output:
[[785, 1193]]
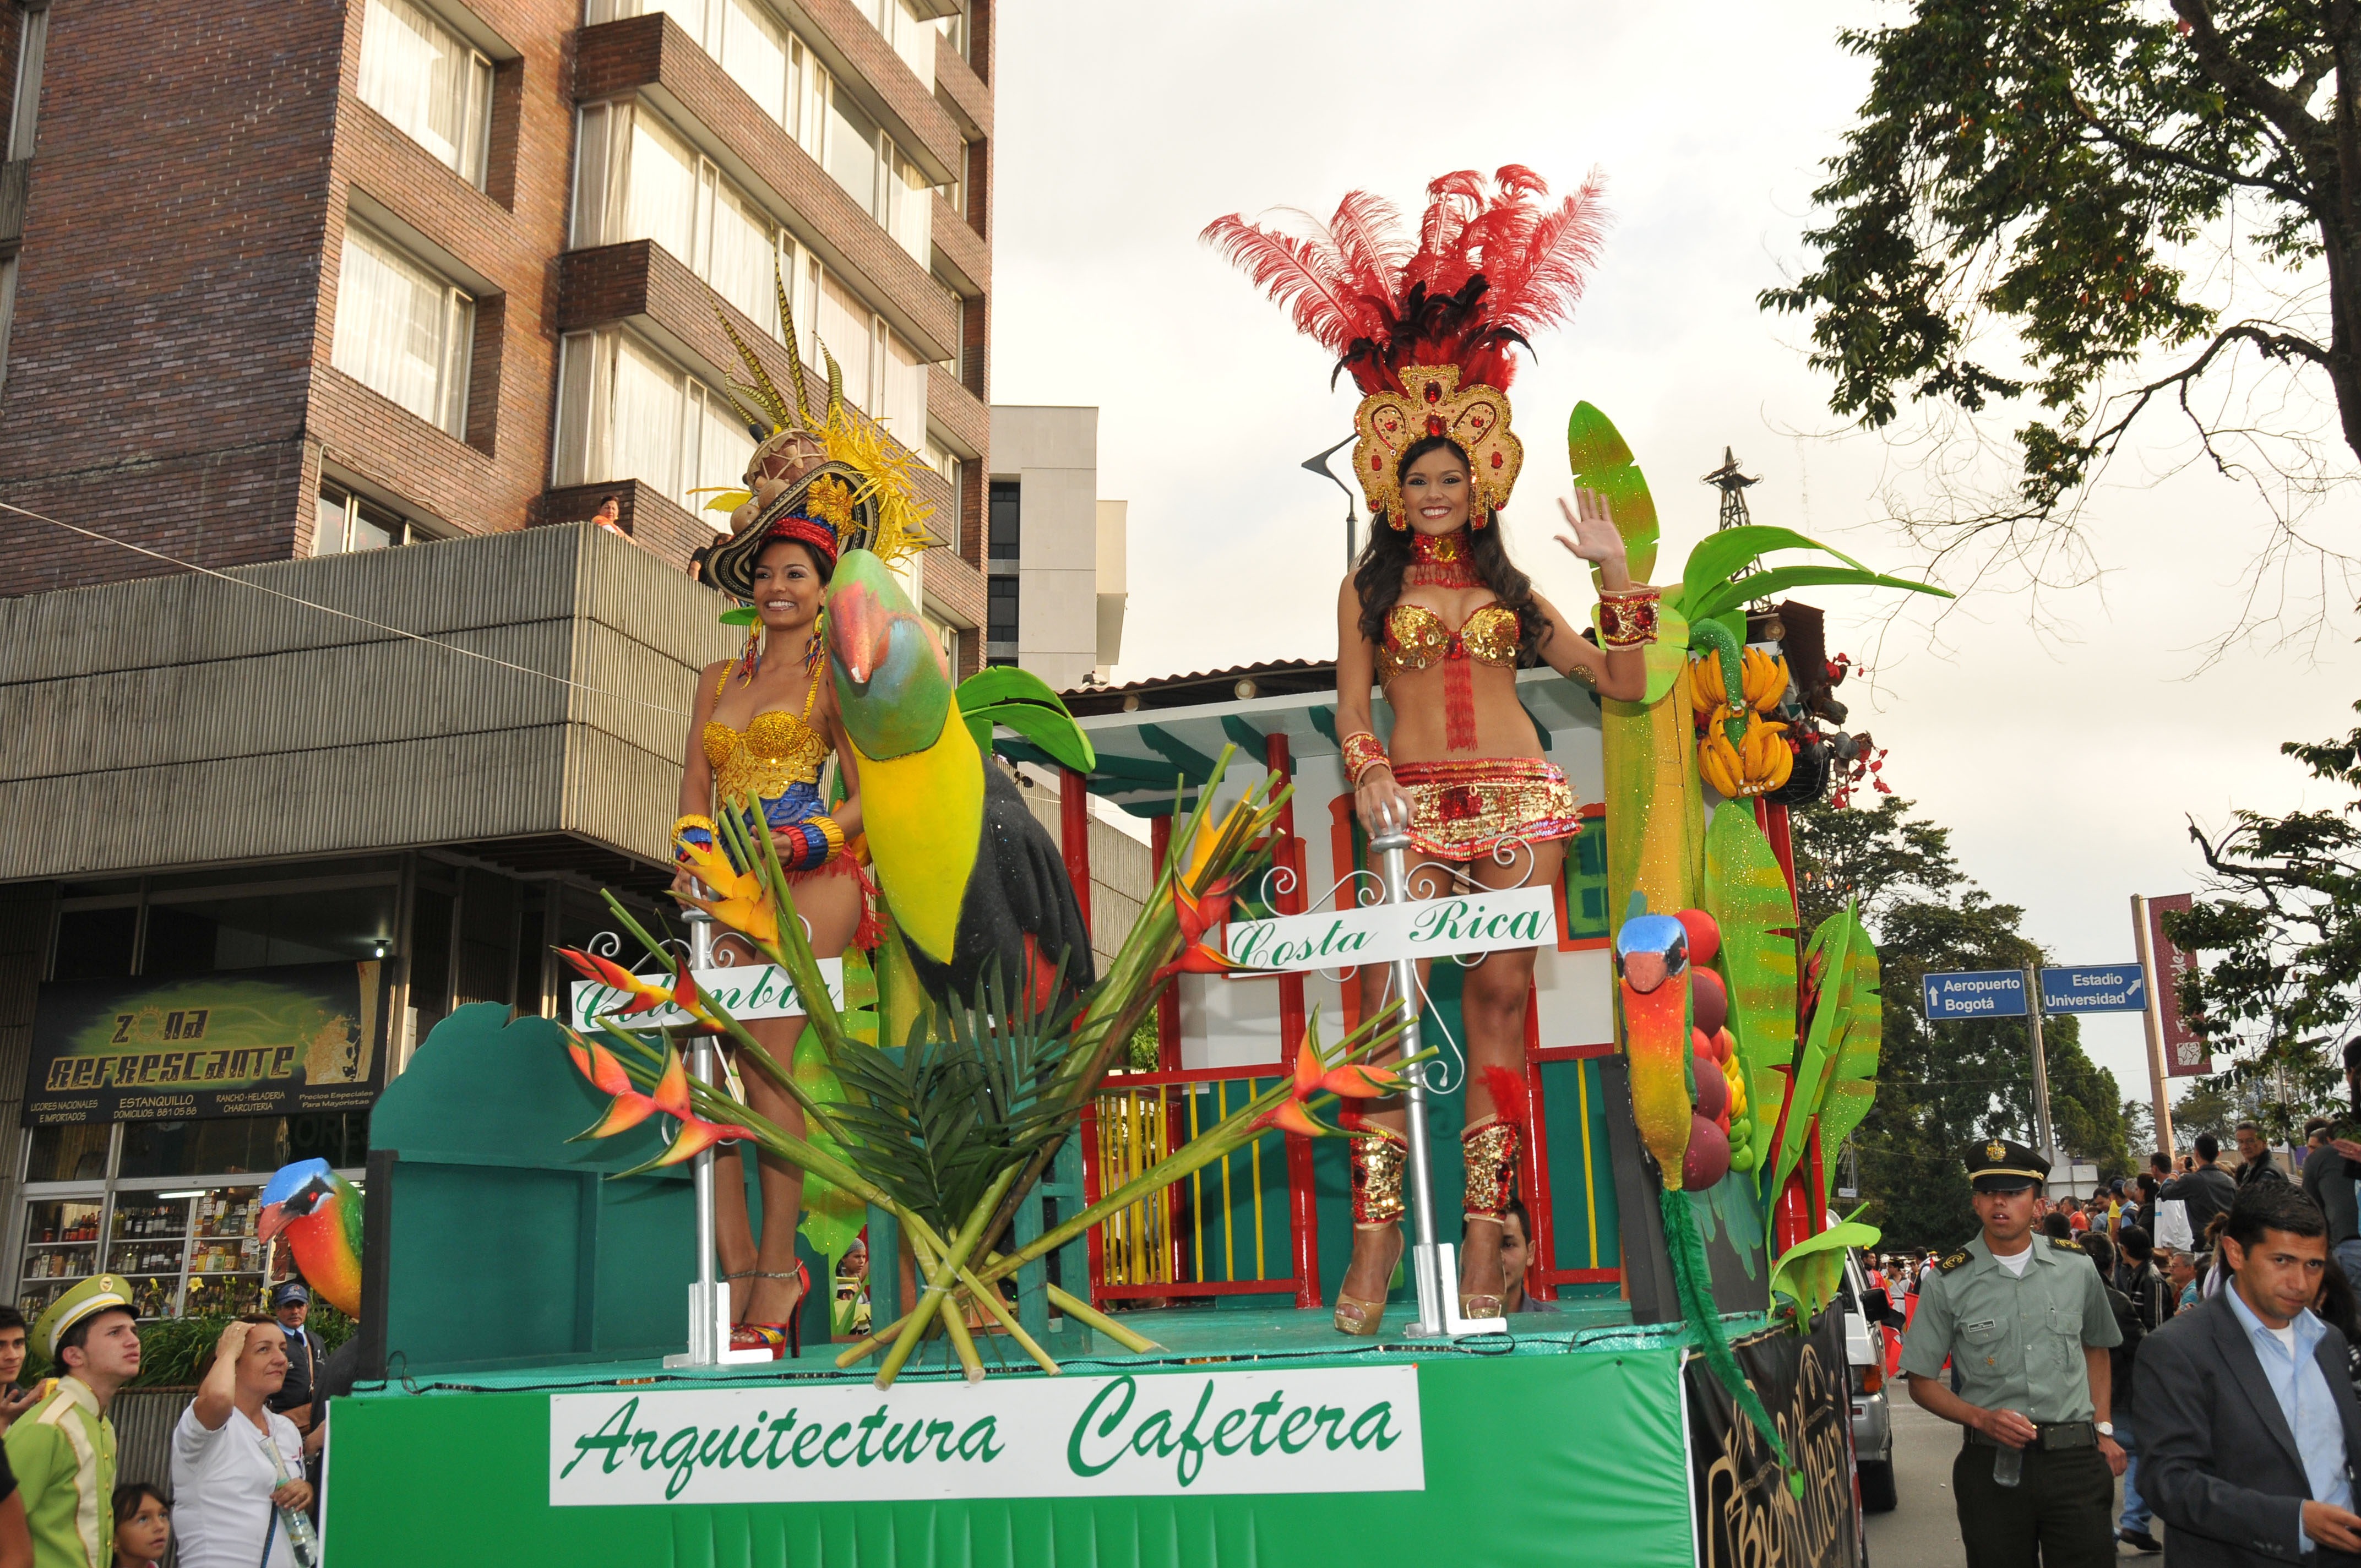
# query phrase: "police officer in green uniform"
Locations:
[[2025, 1323]]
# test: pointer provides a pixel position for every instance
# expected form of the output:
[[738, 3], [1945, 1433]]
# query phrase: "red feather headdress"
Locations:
[[1427, 328]]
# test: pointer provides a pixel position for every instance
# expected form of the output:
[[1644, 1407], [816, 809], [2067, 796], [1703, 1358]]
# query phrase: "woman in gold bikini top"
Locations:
[[758, 744]]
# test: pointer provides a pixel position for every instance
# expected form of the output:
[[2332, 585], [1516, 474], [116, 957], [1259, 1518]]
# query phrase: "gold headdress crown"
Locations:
[[1434, 403]]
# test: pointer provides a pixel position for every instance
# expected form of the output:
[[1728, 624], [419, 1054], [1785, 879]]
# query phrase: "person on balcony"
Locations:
[[1437, 611]]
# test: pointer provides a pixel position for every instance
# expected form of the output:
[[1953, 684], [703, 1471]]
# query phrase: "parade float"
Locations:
[[1105, 1339]]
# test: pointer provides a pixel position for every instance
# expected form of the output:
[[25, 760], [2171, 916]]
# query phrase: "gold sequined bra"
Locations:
[[776, 751], [1416, 639]]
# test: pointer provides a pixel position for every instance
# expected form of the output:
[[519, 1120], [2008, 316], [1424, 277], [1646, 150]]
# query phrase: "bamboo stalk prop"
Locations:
[[1017, 1078]]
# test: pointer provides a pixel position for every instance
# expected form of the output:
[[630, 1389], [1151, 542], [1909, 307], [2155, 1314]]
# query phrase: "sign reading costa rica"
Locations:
[[1382, 933], [1315, 1430]]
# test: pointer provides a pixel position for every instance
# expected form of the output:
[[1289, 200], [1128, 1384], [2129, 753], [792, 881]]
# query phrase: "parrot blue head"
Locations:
[[293, 1192], [893, 686]]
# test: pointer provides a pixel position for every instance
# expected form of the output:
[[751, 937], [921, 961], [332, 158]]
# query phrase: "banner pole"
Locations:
[[1434, 1263], [2040, 1066], [709, 1298], [2158, 1082]]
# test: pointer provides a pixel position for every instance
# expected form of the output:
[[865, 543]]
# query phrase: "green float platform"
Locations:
[[1565, 1442]]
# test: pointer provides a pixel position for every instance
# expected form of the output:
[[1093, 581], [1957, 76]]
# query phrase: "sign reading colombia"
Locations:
[[1327, 1430]]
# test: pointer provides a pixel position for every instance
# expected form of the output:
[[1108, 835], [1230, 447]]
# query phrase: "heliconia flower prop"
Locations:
[[738, 901], [1202, 906], [631, 1107], [689, 999], [644, 996], [1353, 1080]]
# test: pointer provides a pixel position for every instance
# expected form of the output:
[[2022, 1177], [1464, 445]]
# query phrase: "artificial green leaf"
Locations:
[[1050, 728], [1853, 1074], [1006, 683], [1833, 942], [1719, 555], [1762, 584], [742, 616], [1807, 1272], [1746, 894], [1601, 461]]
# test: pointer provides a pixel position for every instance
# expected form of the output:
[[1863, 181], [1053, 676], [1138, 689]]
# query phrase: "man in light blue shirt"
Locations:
[[2247, 1419]]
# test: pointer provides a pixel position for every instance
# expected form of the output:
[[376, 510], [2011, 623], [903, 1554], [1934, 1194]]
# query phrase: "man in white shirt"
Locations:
[[225, 1485]]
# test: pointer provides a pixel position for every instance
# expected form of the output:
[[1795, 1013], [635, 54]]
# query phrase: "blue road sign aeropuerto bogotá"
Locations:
[[2095, 988], [1976, 993]]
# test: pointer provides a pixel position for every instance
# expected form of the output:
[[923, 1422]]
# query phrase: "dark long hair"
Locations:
[[1379, 576]]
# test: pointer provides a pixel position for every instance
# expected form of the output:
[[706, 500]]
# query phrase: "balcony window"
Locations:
[[852, 139], [844, 326], [403, 331], [343, 523], [1001, 622], [636, 180], [427, 80], [902, 398], [762, 57], [626, 412]]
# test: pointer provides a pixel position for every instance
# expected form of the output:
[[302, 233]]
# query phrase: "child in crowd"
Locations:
[[143, 1526]]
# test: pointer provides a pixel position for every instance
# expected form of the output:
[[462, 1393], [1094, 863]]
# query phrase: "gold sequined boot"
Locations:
[[1379, 1154], [1490, 1150]]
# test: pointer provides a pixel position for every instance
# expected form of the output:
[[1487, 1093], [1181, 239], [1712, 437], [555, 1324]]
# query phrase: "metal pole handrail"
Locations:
[[1434, 1263], [709, 1298]]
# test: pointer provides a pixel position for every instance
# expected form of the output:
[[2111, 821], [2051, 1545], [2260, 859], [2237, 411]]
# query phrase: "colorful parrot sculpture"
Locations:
[[968, 871], [321, 1213]]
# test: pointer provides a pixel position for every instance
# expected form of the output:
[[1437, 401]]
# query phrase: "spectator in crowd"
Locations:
[[2132, 1527], [2160, 1165], [292, 1302], [2329, 1171], [1516, 1256], [610, 516], [2206, 1190], [62, 1450], [2056, 1227], [2139, 1279], [2187, 1266], [14, 1401], [2256, 1162], [2143, 1210], [2246, 1412], [2078, 1218], [143, 1526], [225, 1488]]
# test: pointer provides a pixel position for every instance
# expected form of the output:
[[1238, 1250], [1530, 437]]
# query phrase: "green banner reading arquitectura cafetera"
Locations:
[[295, 1039]]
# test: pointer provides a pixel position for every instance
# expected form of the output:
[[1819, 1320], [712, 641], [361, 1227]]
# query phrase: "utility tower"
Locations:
[[1733, 486]]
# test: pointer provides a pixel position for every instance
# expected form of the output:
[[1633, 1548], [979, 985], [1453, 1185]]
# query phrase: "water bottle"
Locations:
[[302, 1542], [2009, 1466]]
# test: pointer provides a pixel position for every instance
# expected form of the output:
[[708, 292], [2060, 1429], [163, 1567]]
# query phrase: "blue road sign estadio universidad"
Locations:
[[1976, 993], [2095, 988]]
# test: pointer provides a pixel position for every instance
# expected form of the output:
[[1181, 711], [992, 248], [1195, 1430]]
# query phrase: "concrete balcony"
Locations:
[[188, 721]]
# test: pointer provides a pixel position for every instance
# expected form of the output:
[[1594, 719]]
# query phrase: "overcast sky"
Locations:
[[2065, 757]]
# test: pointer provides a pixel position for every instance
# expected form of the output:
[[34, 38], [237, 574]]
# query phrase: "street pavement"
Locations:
[[1923, 1531]]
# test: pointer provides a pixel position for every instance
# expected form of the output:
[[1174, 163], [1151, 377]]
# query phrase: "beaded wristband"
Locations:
[[1362, 752], [1627, 617], [682, 827]]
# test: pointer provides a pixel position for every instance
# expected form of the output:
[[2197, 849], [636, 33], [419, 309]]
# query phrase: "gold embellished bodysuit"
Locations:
[[1461, 808]]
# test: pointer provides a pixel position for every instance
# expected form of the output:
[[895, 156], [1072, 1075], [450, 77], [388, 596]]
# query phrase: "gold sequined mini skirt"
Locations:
[[1463, 810]]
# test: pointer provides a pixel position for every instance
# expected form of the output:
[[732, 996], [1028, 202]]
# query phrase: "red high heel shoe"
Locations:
[[771, 1336]]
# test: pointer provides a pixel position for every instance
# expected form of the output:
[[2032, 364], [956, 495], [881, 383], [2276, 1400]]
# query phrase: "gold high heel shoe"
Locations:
[[1489, 1149], [1377, 1156]]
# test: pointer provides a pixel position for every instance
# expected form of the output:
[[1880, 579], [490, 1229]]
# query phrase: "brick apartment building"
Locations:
[[283, 285]]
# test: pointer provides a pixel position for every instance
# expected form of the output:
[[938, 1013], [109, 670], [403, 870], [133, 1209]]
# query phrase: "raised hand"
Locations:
[[1594, 537]]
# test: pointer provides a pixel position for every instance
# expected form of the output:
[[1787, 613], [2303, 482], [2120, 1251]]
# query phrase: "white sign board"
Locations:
[[1382, 933], [1168, 1435], [744, 991]]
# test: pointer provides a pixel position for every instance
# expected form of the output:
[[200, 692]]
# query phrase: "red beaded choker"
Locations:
[[1441, 561]]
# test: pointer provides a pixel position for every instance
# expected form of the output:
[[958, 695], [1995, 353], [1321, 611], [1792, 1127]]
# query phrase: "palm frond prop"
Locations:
[[948, 1131]]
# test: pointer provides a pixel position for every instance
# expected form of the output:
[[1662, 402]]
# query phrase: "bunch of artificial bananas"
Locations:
[[1763, 679], [1743, 753]]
